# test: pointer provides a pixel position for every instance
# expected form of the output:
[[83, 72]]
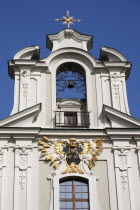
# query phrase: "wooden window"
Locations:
[[74, 194]]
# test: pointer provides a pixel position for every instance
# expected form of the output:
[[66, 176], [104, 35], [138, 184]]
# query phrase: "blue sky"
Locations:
[[113, 23]]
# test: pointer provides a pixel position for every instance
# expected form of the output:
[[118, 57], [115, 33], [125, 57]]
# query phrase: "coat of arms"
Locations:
[[71, 156]]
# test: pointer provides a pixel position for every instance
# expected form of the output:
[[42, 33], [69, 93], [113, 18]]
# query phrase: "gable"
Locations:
[[119, 119], [25, 118]]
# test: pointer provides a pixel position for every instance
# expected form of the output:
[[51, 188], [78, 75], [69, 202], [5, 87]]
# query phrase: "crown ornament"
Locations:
[[72, 143]]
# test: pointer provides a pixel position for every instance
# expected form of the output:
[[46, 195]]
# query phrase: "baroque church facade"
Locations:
[[70, 141]]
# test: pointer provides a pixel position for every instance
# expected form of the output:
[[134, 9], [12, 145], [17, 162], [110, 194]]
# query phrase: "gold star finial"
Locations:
[[68, 20]]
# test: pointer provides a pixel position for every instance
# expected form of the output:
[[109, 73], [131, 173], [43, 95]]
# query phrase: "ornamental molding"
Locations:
[[71, 156], [22, 163], [71, 34], [2, 151], [3, 163], [25, 76], [115, 79], [122, 148], [122, 162]]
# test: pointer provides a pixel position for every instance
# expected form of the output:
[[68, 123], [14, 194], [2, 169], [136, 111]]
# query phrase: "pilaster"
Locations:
[[3, 165], [22, 183], [123, 171]]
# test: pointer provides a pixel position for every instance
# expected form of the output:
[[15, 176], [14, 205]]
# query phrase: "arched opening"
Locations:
[[74, 194], [70, 81], [71, 96]]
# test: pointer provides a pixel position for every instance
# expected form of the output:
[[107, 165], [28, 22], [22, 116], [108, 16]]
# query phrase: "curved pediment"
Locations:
[[110, 54], [28, 53]]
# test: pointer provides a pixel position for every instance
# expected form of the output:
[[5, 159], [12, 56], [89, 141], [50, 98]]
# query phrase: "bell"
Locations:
[[70, 84]]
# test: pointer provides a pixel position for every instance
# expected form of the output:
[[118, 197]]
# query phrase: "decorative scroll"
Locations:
[[2, 163], [122, 162], [71, 154], [23, 177], [24, 79], [22, 162], [115, 82]]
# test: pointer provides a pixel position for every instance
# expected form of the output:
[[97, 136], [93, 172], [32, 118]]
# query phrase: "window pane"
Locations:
[[62, 195], [68, 182], [78, 205], [62, 183], [77, 182], [77, 188], [84, 195], [62, 204], [62, 188], [78, 195], [85, 204], [68, 188], [69, 204], [84, 183], [68, 195], [85, 188]]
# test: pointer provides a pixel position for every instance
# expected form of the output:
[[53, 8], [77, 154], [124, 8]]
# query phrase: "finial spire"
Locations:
[[68, 20]]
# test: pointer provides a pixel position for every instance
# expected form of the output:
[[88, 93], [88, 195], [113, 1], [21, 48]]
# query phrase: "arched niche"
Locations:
[[71, 96], [76, 56]]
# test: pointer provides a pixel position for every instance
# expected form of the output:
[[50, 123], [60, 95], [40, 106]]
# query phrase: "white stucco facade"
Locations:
[[27, 182]]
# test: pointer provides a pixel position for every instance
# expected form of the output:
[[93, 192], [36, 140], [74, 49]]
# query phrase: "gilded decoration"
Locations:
[[72, 156], [68, 20]]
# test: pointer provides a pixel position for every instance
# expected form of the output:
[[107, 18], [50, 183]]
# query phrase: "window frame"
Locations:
[[91, 180], [73, 186]]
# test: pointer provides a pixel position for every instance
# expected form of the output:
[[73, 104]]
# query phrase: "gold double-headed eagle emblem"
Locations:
[[73, 152]]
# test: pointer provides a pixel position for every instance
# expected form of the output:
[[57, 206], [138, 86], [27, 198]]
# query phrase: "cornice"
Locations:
[[123, 131], [113, 133]]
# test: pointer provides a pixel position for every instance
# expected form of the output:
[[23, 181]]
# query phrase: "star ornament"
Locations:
[[68, 20]]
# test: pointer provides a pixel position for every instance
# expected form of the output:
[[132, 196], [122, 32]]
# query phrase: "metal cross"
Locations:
[[68, 19]]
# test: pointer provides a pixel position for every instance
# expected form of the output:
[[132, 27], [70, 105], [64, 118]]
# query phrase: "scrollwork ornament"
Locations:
[[124, 177], [25, 78], [23, 158], [22, 162], [23, 178], [3, 149], [115, 82], [122, 162]]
